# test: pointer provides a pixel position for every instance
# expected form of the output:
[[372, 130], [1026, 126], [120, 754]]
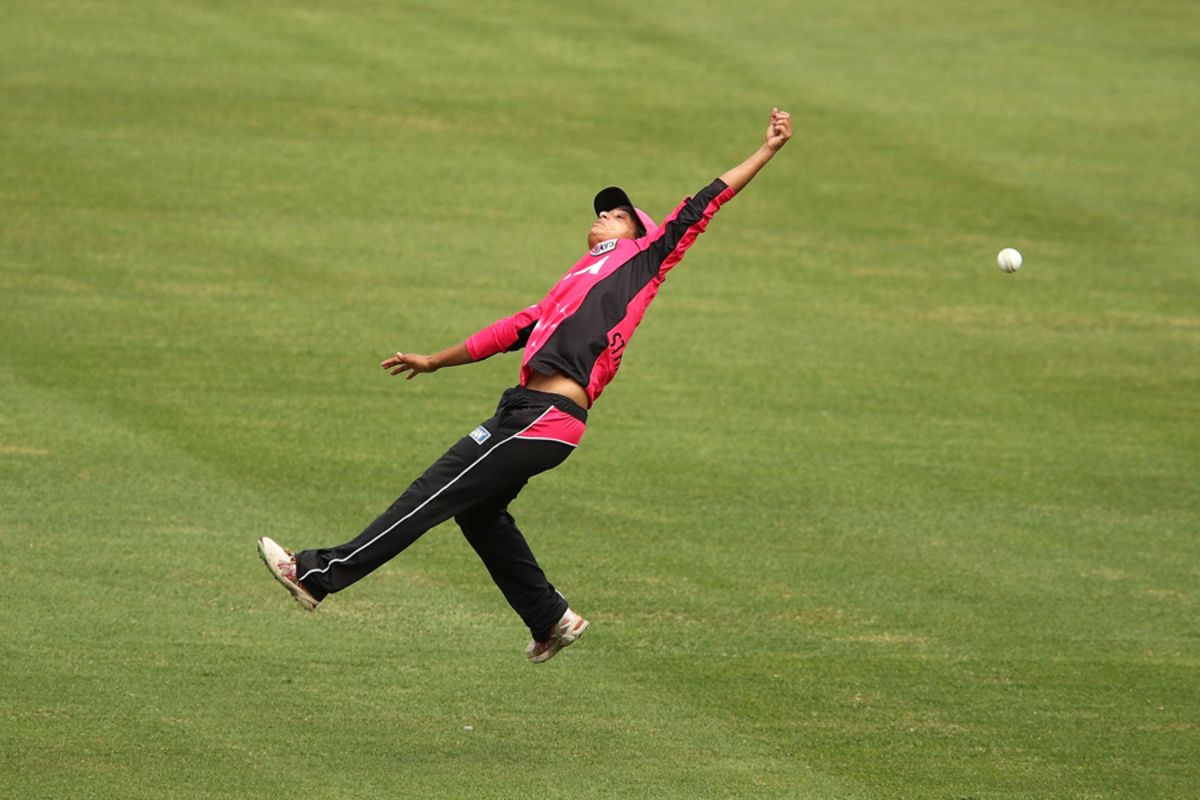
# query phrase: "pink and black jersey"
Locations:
[[581, 328]]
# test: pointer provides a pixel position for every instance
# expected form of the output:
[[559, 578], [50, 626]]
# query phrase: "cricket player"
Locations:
[[573, 341]]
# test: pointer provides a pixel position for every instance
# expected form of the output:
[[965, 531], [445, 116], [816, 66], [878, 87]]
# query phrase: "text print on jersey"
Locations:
[[617, 347]]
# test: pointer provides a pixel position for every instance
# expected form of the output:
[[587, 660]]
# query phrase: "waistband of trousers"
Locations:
[[519, 396]]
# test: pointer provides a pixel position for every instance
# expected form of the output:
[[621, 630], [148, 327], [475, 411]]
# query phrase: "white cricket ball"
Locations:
[[1009, 260]]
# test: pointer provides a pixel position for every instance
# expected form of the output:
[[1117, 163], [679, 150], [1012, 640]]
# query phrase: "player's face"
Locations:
[[615, 224]]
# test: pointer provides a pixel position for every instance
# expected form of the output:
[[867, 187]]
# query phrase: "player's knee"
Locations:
[[476, 521], [473, 520]]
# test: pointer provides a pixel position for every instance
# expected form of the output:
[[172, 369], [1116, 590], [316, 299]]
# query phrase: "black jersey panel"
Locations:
[[576, 344], [673, 230], [522, 337]]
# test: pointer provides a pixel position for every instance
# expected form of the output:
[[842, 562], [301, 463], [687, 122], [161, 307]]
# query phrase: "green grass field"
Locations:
[[862, 517]]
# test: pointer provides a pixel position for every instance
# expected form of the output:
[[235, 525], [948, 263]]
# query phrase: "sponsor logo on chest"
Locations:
[[602, 248]]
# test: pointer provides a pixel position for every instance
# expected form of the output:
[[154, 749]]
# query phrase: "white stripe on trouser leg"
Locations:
[[547, 439], [428, 500]]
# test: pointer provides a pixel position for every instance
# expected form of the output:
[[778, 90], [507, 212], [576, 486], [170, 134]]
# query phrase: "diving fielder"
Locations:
[[573, 342]]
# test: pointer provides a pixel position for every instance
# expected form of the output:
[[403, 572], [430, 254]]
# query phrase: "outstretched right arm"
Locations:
[[509, 333], [414, 363]]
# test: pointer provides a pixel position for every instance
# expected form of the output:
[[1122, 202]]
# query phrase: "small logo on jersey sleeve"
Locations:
[[480, 435], [603, 247]]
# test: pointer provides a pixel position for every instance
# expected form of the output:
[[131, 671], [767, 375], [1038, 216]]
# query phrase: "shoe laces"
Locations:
[[288, 568]]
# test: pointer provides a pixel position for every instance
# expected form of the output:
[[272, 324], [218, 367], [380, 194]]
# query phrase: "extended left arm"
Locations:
[[778, 132], [679, 230]]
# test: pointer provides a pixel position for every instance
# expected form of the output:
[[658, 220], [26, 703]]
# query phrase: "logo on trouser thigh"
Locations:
[[480, 435]]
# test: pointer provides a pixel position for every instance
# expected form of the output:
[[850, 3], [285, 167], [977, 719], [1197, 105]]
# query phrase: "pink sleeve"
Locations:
[[509, 333], [683, 225]]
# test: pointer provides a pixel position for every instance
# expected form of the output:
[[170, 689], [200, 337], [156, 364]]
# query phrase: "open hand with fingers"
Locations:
[[412, 363], [415, 363]]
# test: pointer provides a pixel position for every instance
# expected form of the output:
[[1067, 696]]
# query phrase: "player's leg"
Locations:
[[476, 466], [494, 534]]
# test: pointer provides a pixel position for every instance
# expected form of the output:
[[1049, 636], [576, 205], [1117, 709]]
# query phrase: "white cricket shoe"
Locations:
[[282, 563], [565, 632]]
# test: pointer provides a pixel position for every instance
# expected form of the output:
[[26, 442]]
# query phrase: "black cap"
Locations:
[[615, 197]]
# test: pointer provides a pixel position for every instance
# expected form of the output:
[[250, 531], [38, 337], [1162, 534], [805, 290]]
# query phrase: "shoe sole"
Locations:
[[559, 643], [306, 600]]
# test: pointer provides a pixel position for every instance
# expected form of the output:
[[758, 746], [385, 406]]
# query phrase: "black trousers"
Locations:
[[474, 482]]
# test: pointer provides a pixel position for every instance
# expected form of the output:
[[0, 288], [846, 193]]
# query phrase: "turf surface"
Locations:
[[861, 518]]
